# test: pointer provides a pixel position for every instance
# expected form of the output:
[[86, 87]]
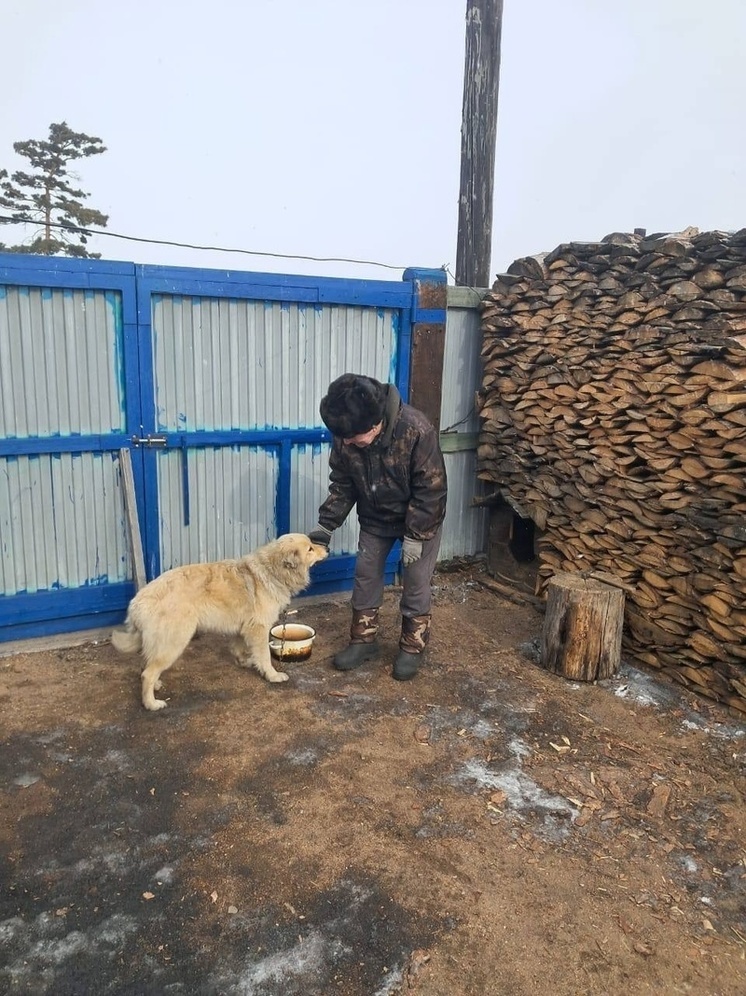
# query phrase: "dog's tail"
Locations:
[[127, 640]]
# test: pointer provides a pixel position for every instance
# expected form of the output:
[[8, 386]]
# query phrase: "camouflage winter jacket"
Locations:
[[398, 482]]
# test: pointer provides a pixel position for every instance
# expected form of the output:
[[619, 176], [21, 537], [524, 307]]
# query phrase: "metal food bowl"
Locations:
[[291, 642]]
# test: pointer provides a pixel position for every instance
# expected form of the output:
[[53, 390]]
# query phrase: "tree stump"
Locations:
[[582, 633]]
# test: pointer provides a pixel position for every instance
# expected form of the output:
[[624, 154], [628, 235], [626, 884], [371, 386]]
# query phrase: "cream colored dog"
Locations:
[[240, 598]]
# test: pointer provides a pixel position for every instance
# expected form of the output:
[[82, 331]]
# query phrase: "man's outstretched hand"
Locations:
[[320, 535]]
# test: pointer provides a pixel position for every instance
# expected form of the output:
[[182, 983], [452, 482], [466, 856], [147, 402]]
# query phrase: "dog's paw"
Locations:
[[278, 676], [155, 705]]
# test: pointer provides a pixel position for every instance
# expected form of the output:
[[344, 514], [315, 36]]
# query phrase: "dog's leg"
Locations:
[[256, 639], [161, 649], [240, 651], [151, 680]]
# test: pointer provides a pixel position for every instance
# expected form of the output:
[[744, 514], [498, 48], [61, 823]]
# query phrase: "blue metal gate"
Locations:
[[211, 379]]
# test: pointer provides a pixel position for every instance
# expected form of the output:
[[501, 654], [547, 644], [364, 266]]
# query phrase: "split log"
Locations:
[[582, 633]]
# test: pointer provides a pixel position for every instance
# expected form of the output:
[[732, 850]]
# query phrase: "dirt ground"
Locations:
[[488, 828]]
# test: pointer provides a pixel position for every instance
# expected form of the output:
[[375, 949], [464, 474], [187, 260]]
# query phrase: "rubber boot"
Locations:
[[415, 633], [363, 643]]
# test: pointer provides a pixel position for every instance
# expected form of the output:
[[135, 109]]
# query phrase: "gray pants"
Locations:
[[367, 592]]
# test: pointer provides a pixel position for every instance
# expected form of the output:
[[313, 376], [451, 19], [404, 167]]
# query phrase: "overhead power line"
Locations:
[[189, 245]]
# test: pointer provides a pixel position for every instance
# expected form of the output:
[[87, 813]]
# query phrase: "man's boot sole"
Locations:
[[373, 652]]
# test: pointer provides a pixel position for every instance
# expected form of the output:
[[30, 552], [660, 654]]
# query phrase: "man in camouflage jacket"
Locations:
[[385, 459]]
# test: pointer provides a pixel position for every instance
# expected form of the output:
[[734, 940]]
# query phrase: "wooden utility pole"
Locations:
[[478, 136]]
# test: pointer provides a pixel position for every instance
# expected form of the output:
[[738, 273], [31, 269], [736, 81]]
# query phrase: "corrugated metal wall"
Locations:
[[465, 528]]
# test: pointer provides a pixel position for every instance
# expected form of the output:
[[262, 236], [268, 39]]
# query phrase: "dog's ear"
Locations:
[[291, 559]]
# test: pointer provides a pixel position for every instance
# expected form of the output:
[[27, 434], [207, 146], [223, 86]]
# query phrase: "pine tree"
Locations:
[[45, 196]]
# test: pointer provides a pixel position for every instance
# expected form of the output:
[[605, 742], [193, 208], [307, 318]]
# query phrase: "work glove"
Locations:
[[411, 550], [320, 535]]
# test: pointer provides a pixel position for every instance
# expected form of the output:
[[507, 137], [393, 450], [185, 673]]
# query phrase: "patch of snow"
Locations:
[[626, 691], [9, 929], [727, 732], [523, 794], [306, 959], [519, 749], [392, 984], [482, 729], [40, 953], [117, 759], [643, 688], [100, 859], [302, 757]]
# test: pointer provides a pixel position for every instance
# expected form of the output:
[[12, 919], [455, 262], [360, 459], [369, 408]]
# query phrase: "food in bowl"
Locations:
[[291, 642]]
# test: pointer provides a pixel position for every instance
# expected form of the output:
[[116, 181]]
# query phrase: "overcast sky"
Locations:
[[332, 128]]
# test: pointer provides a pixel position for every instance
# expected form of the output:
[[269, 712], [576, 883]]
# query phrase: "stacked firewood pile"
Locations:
[[613, 414]]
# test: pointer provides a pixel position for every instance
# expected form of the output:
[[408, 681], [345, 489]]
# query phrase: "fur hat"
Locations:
[[353, 405]]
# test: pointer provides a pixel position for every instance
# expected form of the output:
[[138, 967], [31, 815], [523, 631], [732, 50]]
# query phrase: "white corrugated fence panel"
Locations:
[[56, 530], [465, 527], [59, 358], [62, 521], [310, 480], [231, 503], [224, 363]]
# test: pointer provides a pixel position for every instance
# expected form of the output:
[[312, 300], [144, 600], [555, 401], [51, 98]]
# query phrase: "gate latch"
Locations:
[[149, 440]]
